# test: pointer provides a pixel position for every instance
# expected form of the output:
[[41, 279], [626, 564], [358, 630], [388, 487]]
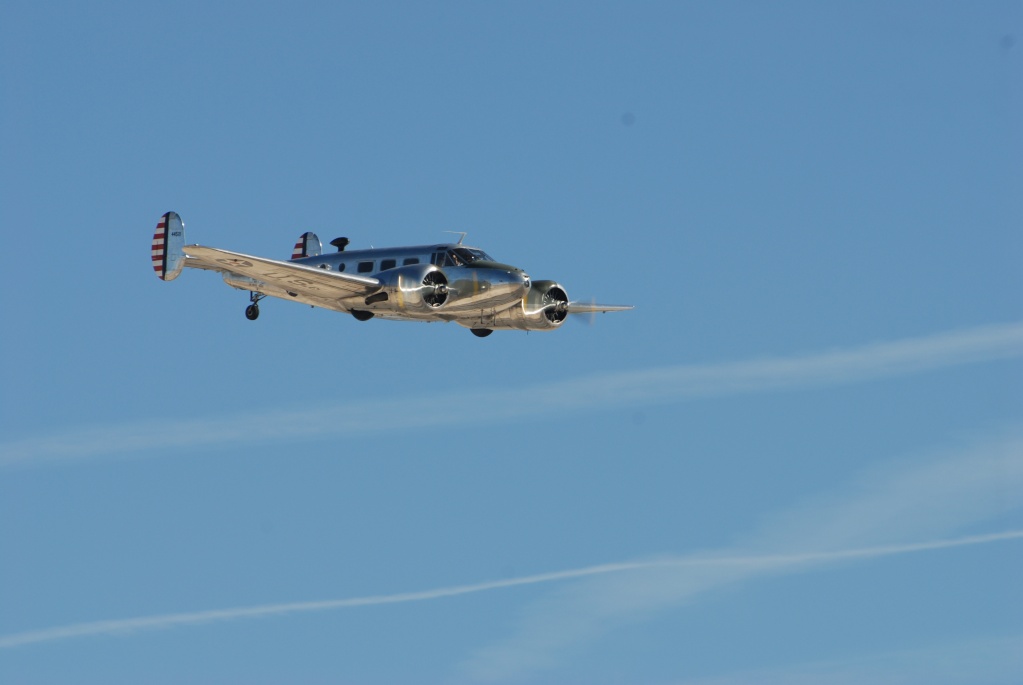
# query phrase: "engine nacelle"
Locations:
[[412, 289], [544, 308]]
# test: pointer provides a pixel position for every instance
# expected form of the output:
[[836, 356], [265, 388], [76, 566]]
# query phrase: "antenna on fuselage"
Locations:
[[461, 233], [340, 243]]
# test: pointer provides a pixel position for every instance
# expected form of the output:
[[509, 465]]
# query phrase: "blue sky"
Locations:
[[815, 208]]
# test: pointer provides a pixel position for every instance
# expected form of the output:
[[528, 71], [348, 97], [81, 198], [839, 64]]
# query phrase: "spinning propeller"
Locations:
[[556, 306], [438, 294]]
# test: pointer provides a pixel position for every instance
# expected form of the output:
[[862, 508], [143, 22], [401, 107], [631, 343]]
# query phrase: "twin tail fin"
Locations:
[[308, 245], [168, 241]]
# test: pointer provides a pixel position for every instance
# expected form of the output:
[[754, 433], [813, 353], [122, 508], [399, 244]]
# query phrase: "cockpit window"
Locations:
[[467, 255]]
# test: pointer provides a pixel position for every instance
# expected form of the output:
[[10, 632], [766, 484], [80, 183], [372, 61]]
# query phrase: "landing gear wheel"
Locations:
[[362, 315], [252, 311], [481, 332]]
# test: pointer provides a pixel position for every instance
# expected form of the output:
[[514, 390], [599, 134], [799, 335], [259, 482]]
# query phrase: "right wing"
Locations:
[[294, 278], [592, 308]]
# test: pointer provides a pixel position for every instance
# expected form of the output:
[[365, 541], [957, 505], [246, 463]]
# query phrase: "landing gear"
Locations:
[[361, 315], [252, 311], [481, 332]]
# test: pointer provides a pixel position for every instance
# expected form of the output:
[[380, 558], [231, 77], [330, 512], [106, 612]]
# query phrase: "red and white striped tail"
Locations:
[[308, 245], [166, 252], [159, 240]]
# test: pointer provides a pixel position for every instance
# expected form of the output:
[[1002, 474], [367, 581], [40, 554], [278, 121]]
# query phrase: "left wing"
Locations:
[[294, 278]]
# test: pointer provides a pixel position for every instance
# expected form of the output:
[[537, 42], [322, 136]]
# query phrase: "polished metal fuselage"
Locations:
[[476, 292]]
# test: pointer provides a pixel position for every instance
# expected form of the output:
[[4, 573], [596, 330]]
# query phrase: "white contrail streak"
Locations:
[[649, 386], [876, 512], [763, 563]]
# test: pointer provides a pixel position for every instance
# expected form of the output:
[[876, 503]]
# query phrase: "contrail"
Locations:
[[763, 563], [648, 386], [874, 514]]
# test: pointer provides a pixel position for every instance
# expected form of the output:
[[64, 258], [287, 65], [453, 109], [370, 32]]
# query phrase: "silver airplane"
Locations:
[[444, 282]]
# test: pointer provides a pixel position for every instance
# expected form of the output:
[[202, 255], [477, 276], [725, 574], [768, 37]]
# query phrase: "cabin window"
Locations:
[[438, 258], [410, 260], [365, 267], [388, 264], [341, 266]]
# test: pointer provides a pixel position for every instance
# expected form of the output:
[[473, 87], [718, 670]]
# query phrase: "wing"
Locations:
[[593, 308], [294, 278]]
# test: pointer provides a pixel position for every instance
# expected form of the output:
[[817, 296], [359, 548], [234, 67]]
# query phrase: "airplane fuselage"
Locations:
[[475, 282]]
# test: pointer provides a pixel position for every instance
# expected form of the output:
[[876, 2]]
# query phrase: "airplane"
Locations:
[[442, 282]]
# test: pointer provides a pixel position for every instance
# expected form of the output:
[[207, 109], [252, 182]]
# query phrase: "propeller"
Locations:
[[439, 288], [556, 307], [584, 312], [554, 304]]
